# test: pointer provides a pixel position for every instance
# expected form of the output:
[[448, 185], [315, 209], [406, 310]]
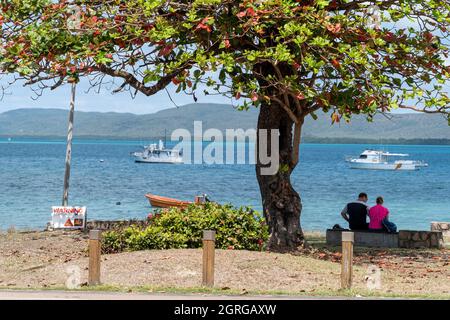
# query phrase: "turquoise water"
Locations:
[[31, 177]]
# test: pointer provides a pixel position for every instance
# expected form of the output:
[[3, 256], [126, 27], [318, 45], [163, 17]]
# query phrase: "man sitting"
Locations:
[[356, 212]]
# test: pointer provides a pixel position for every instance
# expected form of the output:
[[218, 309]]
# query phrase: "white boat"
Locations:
[[378, 160], [157, 153]]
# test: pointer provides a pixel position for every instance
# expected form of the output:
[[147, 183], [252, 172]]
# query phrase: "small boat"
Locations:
[[378, 160], [157, 153], [165, 202]]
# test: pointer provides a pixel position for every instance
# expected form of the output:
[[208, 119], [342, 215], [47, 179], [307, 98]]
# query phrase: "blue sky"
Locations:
[[21, 97]]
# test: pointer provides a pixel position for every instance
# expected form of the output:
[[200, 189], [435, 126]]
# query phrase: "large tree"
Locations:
[[289, 58]]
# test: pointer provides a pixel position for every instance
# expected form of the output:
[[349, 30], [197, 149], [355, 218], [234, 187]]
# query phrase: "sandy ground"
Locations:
[[46, 260], [6, 294]]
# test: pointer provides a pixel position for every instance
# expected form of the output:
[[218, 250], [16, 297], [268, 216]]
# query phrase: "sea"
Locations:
[[106, 180]]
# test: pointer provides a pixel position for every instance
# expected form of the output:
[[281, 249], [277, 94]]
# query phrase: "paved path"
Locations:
[[99, 295]]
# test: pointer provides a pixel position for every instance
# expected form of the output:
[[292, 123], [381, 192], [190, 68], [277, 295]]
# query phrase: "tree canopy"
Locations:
[[303, 55]]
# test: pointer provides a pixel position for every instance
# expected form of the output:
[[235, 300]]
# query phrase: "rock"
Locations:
[[434, 242], [403, 243], [404, 235], [420, 244], [416, 236], [424, 235]]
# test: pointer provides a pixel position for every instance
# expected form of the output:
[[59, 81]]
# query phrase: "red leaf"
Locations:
[[428, 36], [336, 63], [251, 12], [203, 25], [300, 96], [254, 97], [175, 81], [334, 28], [335, 118], [166, 50], [389, 36]]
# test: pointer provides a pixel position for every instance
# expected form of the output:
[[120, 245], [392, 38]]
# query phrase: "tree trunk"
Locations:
[[281, 203]]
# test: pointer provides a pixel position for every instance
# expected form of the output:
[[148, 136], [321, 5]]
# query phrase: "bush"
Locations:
[[236, 228]]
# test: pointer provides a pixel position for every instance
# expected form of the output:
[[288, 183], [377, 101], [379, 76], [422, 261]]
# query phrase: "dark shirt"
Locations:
[[357, 212]]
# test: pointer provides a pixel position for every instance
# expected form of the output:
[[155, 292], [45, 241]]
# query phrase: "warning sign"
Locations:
[[68, 217]]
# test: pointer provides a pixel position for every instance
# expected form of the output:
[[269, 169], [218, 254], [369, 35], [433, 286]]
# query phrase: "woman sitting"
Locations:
[[378, 215]]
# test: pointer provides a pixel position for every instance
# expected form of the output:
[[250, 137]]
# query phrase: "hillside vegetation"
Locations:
[[53, 123]]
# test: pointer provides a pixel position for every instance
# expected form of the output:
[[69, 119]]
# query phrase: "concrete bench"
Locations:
[[363, 238], [379, 239]]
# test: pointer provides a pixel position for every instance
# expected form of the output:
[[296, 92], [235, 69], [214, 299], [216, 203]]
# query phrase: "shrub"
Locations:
[[236, 228]]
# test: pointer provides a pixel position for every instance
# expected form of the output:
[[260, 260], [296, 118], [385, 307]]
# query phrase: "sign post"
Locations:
[[209, 245], [347, 260], [95, 248]]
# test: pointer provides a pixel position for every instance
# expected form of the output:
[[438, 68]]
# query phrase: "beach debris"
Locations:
[[34, 268], [243, 292]]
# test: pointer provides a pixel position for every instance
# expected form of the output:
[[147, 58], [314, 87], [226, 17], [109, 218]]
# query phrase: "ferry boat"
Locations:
[[157, 153], [379, 160]]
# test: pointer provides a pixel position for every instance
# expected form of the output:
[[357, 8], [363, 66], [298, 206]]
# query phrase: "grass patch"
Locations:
[[232, 292]]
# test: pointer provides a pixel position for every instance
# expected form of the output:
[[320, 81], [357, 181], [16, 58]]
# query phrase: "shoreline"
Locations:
[[306, 140]]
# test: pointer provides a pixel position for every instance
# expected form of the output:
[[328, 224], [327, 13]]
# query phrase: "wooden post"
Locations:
[[65, 199], [347, 260], [209, 246], [94, 257]]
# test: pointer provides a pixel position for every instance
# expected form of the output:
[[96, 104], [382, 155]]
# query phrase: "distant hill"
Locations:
[[53, 123]]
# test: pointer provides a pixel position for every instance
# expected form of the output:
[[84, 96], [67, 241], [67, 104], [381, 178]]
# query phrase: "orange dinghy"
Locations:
[[165, 202]]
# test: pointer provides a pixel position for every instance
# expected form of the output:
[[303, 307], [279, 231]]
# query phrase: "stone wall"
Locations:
[[420, 239], [114, 224], [444, 227], [403, 239]]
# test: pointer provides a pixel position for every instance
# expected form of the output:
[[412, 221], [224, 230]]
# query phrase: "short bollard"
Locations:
[[95, 248], [209, 246], [347, 260]]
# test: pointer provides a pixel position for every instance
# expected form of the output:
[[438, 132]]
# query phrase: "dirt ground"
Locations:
[[47, 259]]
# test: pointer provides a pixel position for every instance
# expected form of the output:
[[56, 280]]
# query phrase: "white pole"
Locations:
[[65, 200]]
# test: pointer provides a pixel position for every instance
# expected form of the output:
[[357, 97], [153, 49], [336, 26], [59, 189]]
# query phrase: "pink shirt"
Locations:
[[377, 214]]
